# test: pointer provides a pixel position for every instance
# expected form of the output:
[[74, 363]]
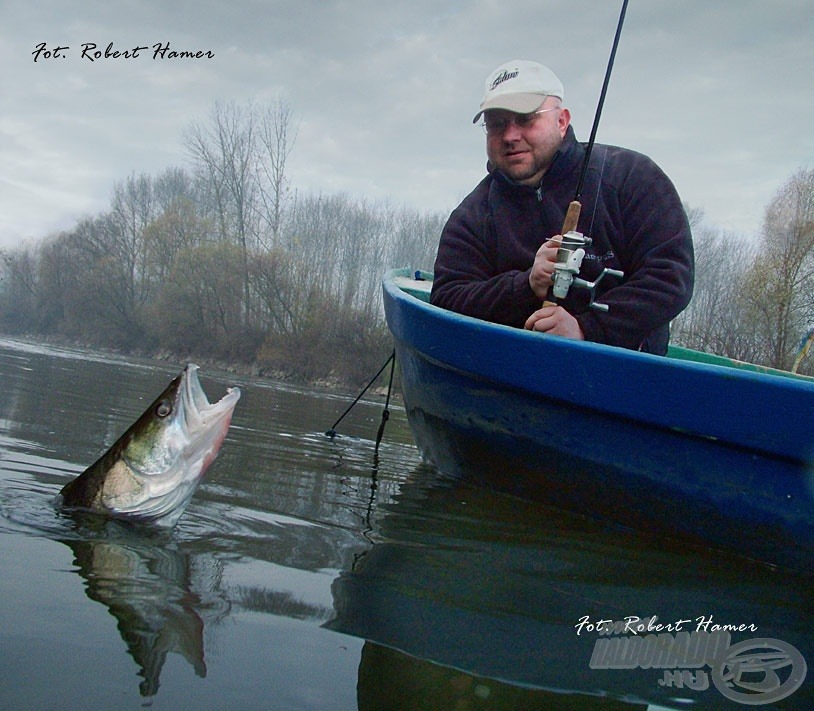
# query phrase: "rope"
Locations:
[[386, 412], [332, 432]]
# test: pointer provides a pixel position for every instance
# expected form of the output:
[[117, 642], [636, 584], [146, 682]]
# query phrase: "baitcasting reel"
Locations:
[[569, 260]]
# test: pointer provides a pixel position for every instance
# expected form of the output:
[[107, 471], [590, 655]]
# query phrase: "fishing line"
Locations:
[[332, 432]]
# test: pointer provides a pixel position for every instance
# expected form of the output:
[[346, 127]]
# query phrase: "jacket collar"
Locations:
[[567, 158]]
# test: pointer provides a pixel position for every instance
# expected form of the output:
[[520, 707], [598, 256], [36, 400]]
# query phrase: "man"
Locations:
[[490, 261]]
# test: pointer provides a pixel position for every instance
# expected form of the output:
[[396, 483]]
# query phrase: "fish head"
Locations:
[[154, 468]]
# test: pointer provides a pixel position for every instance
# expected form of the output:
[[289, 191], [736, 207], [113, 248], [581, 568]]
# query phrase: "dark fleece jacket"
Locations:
[[632, 214]]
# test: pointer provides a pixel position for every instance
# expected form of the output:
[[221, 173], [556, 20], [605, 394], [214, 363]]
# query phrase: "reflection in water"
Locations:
[[147, 585], [463, 586], [392, 680]]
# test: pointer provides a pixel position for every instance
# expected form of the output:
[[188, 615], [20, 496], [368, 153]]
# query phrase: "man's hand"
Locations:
[[556, 321], [542, 271]]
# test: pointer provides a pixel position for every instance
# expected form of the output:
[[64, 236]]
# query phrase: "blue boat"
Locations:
[[705, 449]]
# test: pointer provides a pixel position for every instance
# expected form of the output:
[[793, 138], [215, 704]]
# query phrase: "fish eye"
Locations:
[[164, 408]]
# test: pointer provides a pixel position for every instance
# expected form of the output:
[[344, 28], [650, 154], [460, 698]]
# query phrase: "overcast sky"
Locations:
[[719, 92]]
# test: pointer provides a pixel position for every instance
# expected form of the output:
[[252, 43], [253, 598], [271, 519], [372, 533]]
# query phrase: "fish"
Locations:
[[151, 472]]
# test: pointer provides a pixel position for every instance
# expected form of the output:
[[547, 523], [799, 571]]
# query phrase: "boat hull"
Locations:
[[712, 455]]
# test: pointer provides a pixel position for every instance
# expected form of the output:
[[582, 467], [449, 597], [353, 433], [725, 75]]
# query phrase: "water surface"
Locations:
[[310, 573]]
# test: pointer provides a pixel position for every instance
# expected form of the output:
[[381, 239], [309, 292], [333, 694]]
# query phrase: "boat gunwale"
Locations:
[[718, 393]]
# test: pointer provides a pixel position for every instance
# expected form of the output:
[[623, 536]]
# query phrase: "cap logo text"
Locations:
[[503, 76]]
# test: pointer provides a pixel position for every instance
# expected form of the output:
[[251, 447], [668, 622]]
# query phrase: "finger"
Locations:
[[531, 320], [540, 314], [552, 243]]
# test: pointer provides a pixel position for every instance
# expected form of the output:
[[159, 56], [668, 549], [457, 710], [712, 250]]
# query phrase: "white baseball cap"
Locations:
[[519, 86]]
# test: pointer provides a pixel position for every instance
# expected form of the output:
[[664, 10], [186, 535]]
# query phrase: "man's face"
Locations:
[[524, 152]]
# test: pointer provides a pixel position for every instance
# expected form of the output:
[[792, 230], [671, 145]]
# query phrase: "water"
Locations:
[[315, 574]]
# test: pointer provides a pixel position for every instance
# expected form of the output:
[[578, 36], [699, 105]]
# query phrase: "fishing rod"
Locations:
[[574, 208], [570, 260]]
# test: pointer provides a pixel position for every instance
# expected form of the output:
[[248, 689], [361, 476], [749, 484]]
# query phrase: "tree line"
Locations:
[[223, 260], [755, 301]]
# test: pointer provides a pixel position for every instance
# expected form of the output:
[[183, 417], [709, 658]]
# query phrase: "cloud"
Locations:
[[719, 94]]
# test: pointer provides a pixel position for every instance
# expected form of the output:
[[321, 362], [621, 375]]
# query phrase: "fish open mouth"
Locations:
[[206, 423], [200, 413], [151, 472]]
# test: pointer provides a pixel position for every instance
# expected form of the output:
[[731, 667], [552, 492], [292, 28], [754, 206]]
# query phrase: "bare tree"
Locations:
[[713, 321], [277, 138], [19, 288], [177, 229], [781, 293], [198, 308], [225, 153], [109, 293], [132, 209], [754, 302], [414, 240]]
